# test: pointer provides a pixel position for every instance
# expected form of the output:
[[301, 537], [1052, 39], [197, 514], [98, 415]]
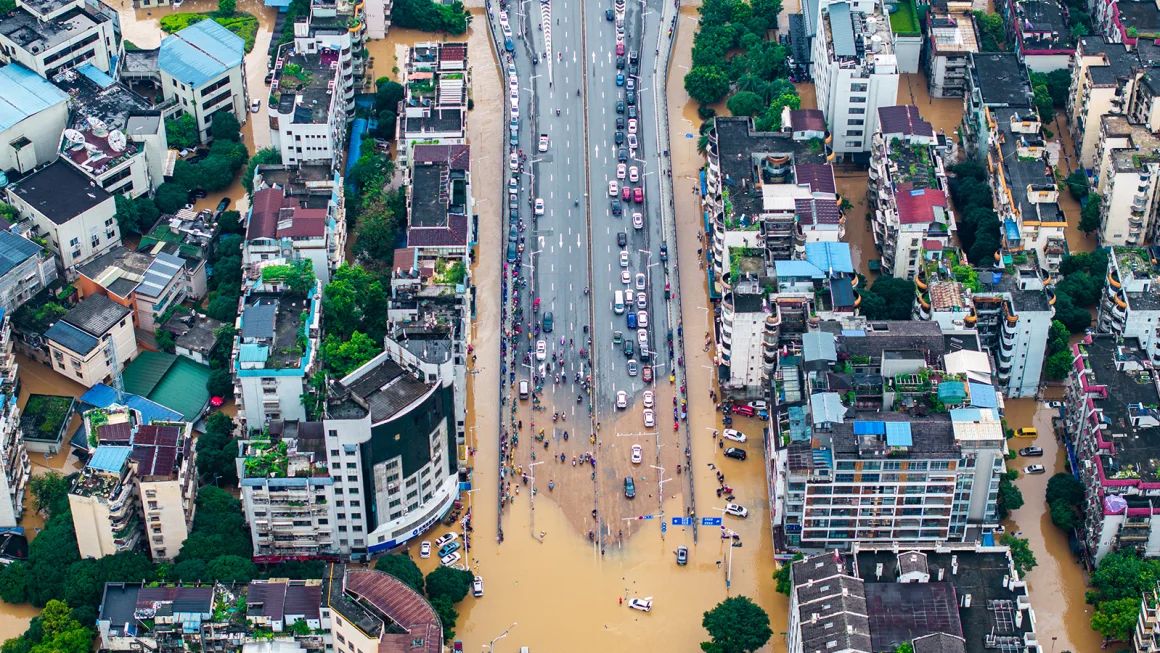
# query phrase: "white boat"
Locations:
[[644, 605]]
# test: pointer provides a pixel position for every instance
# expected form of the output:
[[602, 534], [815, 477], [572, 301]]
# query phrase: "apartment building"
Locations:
[[440, 205], [434, 107], [279, 603], [25, 269], [374, 611], [48, 36], [908, 191], [147, 285], [1130, 304], [92, 341], [1042, 33], [951, 42], [17, 469], [201, 71], [308, 107], [855, 71], [957, 597], [1103, 78], [996, 80], [189, 235], [114, 136], [78, 225], [275, 351], [1146, 636], [307, 189], [337, 28], [1110, 424], [1127, 164], [140, 480], [35, 113], [378, 18]]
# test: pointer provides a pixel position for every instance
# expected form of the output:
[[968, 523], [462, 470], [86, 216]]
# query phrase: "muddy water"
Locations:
[[1057, 584]]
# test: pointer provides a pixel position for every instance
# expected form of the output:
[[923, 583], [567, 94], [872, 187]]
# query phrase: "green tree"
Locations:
[[220, 383], [784, 575], [232, 569], [14, 582], [225, 125], [1058, 365], [905, 647], [227, 8], [388, 94], [1077, 184], [1065, 487], [1083, 288], [402, 567], [181, 132], [135, 216], [1010, 498], [429, 16], [448, 615], [171, 197], [1021, 553], [771, 119], [745, 103], [1089, 215], [1116, 619], [736, 625], [165, 341], [49, 492], [706, 84], [1064, 515], [354, 300], [448, 583], [1058, 337], [345, 356], [1121, 574], [264, 156], [992, 32], [897, 296], [1043, 102], [378, 231], [219, 528]]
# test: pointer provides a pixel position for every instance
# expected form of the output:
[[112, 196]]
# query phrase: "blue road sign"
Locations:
[[681, 521], [710, 521], [664, 527], [647, 517]]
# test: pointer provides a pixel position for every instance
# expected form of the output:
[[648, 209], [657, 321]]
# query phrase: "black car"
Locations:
[[620, 122], [620, 63], [630, 97], [622, 155], [616, 210], [548, 322], [632, 111], [621, 239], [620, 107], [633, 69], [608, 15], [1028, 452], [664, 252], [736, 454], [269, 77], [619, 137]]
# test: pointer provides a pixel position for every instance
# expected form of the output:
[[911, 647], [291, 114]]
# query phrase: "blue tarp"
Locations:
[[102, 396], [831, 257], [983, 396], [98, 76], [110, 458], [1011, 229], [357, 129], [864, 427], [704, 185], [898, 434]]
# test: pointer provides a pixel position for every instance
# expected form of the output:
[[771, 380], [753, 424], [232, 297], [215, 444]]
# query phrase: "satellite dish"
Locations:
[[117, 140], [75, 138], [98, 126]]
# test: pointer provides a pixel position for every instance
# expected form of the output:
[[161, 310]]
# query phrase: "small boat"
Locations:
[[644, 605]]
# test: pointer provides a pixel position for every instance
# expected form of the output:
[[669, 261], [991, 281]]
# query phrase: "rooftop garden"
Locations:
[[266, 458], [746, 260], [450, 274], [294, 76], [240, 23], [45, 417], [1133, 258], [904, 19], [915, 164]]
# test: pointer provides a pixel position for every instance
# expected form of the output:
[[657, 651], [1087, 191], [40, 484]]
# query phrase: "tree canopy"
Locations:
[[430, 16], [736, 625], [402, 567], [890, 298], [1021, 553]]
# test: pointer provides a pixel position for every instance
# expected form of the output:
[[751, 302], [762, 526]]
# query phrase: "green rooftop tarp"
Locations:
[[175, 382], [143, 374]]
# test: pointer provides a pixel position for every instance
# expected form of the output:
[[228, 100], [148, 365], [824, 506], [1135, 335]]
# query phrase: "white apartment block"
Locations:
[[78, 224], [1130, 304], [308, 122], [378, 18], [48, 36], [202, 72], [1128, 163], [855, 71], [25, 269], [313, 225], [434, 108], [35, 113], [13, 455], [1102, 79], [93, 341]]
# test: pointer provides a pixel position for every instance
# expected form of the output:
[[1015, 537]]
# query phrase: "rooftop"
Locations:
[[1138, 276], [305, 85], [1131, 394], [385, 606], [952, 34], [193, 331], [101, 477], [1144, 148], [1001, 79], [381, 387], [857, 36], [437, 120], [35, 35], [274, 323], [273, 215], [24, 94], [1022, 299], [1025, 173], [882, 336], [81, 328], [160, 450], [42, 190], [917, 205], [118, 270], [438, 207], [1142, 16], [903, 120], [749, 159], [103, 122], [882, 436], [15, 250], [191, 232], [1043, 26], [279, 599], [200, 53]]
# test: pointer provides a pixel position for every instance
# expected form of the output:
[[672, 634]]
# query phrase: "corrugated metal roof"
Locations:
[[790, 269], [96, 75], [869, 427], [831, 257], [819, 345], [827, 408], [253, 353], [110, 459], [15, 250], [983, 395], [159, 274], [842, 30], [70, 337], [952, 392], [898, 434], [199, 53], [23, 93]]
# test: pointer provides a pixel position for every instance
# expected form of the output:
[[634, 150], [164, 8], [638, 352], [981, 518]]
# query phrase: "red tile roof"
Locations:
[[812, 120], [818, 176], [456, 52], [451, 234], [276, 216], [456, 157], [297, 222], [903, 119], [917, 206], [264, 208], [403, 606]]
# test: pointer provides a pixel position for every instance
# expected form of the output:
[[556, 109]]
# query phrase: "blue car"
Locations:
[[448, 549], [620, 79], [631, 320]]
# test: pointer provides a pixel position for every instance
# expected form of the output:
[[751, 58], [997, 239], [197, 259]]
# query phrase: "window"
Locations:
[[858, 99], [857, 110]]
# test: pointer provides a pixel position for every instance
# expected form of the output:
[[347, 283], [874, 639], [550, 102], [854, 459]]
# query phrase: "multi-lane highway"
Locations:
[[585, 228]]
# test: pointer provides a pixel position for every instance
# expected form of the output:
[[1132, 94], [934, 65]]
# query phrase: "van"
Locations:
[[523, 389], [1028, 432], [618, 302]]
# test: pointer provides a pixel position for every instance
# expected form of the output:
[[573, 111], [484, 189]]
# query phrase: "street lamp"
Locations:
[[490, 646]]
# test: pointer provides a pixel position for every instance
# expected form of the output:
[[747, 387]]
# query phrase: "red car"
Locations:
[[625, 193], [638, 195], [646, 373], [742, 409], [620, 48]]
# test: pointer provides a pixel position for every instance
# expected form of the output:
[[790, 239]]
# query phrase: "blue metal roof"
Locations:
[[971, 414], [15, 250], [102, 396], [200, 53], [842, 30], [983, 396], [96, 75], [865, 427], [830, 257], [800, 269], [110, 459], [898, 434], [828, 408], [1012, 230], [71, 337], [23, 93], [819, 345], [253, 353]]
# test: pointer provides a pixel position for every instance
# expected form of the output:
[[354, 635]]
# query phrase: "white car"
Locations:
[[634, 172], [255, 106], [539, 207], [644, 605], [637, 221], [628, 297], [734, 435], [514, 161], [1034, 469], [449, 537], [649, 398], [736, 510], [621, 170], [624, 259], [621, 399], [425, 550], [513, 186], [477, 587], [642, 318], [625, 277], [541, 350], [637, 454], [642, 337], [613, 188], [450, 559], [515, 112], [632, 125], [632, 143], [641, 279], [543, 146], [650, 419], [514, 95], [642, 301]]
